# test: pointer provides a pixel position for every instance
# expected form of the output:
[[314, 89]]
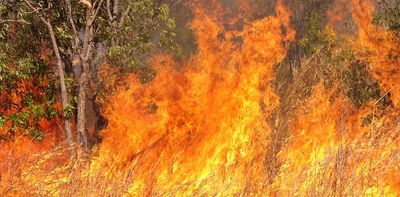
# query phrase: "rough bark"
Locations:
[[86, 52], [81, 125], [83, 85]]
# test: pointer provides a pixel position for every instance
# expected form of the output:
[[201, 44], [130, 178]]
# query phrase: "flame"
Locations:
[[204, 128], [19, 151], [201, 129], [332, 153], [329, 149], [381, 49]]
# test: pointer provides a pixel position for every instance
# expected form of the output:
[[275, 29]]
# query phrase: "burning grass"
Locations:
[[219, 126]]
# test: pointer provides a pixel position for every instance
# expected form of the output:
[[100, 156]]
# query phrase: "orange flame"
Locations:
[[381, 49], [201, 129], [329, 149]]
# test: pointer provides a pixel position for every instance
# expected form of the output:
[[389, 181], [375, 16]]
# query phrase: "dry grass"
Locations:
[[364, 164]]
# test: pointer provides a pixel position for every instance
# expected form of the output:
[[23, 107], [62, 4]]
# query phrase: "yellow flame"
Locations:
[[201, 130]]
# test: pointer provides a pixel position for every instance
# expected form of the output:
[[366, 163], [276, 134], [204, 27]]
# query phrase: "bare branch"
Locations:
[[95, 3], [124, 15], [15, 21], [92, 14], [71, 20], [108, 6], [97, 9], [36, 10], [30, 5], [115, 9], [90, 43]]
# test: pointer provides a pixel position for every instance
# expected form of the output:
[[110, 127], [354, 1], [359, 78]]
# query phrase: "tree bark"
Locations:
[[64, 94], [83, 82], [85, 55]]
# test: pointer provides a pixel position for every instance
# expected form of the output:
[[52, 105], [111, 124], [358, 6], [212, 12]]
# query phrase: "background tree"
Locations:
[[83, 34]]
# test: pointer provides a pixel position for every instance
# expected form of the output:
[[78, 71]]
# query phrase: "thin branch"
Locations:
[[115, 9], [108, 6], [98, 8], [32, 7], [95, 3], [124, 15], [15, 21], [382, 97], [93, 17], [90, 44], [71, 20], [28, 12], [36, 10]]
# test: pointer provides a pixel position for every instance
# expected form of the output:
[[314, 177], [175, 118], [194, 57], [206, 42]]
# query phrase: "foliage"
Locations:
[[341, 65], [309, 22], [316, 36], [19, 39], [147, 30], [27, 96]]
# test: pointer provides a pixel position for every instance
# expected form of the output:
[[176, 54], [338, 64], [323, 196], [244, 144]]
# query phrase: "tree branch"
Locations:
[[32, 7], [115, 9], [71, 21], [93, 14], [90, 44], [124, 15], [108, 6], [36, 10], [15, 21], [97, 9]]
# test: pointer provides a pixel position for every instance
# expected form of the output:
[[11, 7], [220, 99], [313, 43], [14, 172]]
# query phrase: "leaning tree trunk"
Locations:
[[64, 94]]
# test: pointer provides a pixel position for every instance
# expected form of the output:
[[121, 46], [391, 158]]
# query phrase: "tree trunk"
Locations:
[[83, 83], [64, 94]]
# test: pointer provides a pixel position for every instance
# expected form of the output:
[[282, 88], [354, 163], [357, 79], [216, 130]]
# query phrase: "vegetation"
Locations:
[[82, 35], [388, 14], [27, 92], [252, 111]]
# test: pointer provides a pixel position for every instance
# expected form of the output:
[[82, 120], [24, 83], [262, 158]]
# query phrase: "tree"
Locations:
[[84, 33], [26, 14]]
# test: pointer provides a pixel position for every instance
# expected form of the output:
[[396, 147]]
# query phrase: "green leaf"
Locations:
[[2, 121]]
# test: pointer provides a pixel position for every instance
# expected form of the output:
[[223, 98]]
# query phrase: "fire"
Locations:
[[18, 150], [21, 153], [329, 149], [203, 128], [331, 152], [381, 49]]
